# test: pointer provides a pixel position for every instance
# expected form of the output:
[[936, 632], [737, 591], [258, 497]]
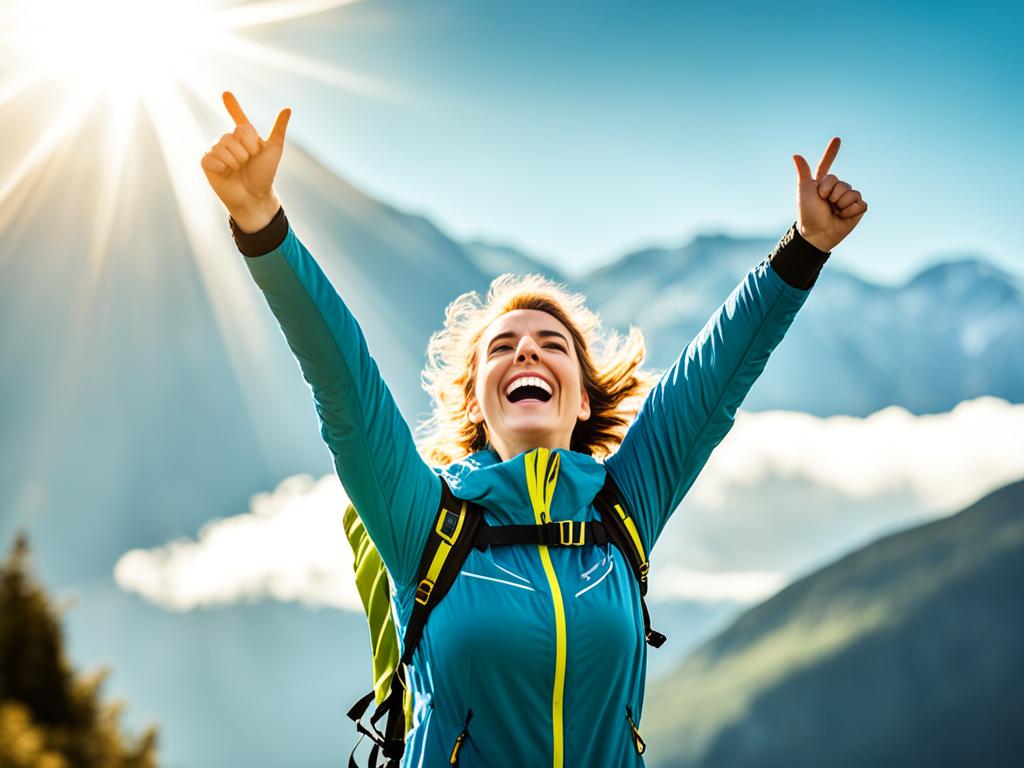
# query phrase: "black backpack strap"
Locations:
[[563, 533], [624, 534], [448, 545]]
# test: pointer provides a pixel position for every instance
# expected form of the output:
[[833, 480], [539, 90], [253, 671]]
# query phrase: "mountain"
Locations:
[[950, 333], [905, 652], [872, 345], [494, 259]]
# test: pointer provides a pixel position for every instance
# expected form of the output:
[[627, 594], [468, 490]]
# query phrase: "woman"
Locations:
[[541, 648]]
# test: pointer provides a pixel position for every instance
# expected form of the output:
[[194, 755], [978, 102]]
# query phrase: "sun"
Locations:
[[118, 48], [85, 78], [168, 58], [113, 47]]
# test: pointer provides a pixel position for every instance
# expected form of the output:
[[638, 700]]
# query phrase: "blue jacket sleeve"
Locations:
[[394, 491], [694, 404]]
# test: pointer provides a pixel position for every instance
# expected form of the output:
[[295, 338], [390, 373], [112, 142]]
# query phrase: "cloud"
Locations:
[[677, 583], [788, 492], [944, 461], [290, 546], [784, 493]]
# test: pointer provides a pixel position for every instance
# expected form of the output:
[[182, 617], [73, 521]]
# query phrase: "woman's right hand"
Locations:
[[241, 168]]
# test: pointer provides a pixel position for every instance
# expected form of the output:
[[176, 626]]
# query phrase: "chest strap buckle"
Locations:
[[572, 533]]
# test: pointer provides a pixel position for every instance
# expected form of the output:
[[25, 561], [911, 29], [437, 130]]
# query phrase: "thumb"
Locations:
[[280, 126], [803, 170]]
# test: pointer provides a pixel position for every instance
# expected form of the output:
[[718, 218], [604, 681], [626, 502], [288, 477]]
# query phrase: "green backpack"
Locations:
[[460, 526]]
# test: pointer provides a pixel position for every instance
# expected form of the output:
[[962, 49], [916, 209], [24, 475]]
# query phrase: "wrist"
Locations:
[[817, 239], [264, 240], [257, 215], [796, 260]]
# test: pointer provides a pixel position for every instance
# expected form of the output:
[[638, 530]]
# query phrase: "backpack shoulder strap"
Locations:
[[624, 534], [448, 545]]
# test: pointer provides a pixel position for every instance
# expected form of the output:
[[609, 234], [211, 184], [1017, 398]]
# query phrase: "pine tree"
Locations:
[[52, 716]]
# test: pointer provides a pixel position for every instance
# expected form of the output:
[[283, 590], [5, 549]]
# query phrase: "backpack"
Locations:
[[459, 527]]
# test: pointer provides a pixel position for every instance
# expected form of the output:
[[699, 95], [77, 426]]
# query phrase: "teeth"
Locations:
[[528, 381]]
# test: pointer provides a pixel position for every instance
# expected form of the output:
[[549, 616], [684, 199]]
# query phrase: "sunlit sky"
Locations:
[[580, 129]]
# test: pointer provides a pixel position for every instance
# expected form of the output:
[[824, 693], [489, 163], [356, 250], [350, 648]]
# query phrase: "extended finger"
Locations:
[[855, 209], [825, 186], [249, 138], [234, 108], [840, 189], [220, 152], [234, 146], [803, 170], [847, 199], [826, 159], [213, 165], [280, 126]]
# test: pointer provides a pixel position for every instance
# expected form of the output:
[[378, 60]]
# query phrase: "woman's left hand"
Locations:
[[827, 209]]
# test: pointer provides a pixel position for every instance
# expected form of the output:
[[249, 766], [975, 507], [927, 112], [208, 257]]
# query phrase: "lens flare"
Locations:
[[107, 47], [122, 93]]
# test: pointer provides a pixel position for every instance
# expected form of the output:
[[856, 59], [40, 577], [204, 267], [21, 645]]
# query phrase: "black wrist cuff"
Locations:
[[264, 240], [796, 261]]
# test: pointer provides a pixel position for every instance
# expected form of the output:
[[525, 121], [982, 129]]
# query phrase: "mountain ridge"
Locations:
[[906, 617]]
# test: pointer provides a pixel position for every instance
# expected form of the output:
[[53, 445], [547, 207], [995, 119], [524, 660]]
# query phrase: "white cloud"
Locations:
[[784, 493], [676, 583], [944, 461], [787, 492], [291, 546]]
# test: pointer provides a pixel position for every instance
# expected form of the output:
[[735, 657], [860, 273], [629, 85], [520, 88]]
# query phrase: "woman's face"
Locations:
[[528, 391]]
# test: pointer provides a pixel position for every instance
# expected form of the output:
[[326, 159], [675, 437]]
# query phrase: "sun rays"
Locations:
[[81, 82], [115, 54]]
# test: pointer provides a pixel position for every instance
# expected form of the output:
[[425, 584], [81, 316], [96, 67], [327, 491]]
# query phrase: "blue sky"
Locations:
[[578, 130]]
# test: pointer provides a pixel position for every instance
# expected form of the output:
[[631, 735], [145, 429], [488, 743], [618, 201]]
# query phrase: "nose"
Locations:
[[527, 350]]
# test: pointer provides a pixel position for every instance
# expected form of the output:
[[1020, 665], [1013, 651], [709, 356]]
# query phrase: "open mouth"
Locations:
[[528, 388]]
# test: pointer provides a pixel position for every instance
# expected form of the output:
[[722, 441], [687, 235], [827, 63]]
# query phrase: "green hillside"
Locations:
[[908, 652]]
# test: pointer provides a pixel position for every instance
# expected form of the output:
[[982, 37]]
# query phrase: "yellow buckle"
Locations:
[[644, 567], [423, 591], [565, 533]]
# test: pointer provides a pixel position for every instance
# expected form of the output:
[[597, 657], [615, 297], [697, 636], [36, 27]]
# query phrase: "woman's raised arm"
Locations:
[[694, 404], [395, 492]]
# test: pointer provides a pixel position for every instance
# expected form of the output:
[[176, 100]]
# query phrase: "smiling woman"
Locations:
[[529, 326], [517, 672]]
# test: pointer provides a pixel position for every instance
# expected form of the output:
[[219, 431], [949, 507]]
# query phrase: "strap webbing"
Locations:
[[563, 533], [622, 532], [448, 545]]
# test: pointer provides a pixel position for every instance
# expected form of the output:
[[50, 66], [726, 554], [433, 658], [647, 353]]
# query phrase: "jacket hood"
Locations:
[[501, 486]]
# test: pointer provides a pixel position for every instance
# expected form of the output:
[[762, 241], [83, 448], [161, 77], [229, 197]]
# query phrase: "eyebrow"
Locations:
[[542, 334]]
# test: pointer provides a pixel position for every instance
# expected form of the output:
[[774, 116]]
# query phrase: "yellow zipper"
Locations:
[[541, 476]]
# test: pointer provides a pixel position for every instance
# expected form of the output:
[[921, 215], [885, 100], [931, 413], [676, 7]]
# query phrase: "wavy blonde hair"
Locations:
[[609, 368]]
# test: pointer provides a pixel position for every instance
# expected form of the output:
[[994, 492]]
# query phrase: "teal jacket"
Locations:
[[544, 646]]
